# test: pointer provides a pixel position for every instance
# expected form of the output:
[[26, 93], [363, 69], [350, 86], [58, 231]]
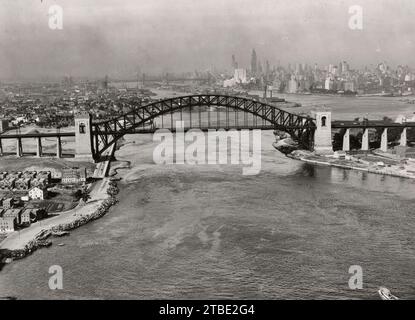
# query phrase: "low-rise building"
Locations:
[[22, 184], [38, 193], [28, 216], [73, 175], [8, 183], [39, 182], [13, 213], [15, 174], [7, 225], [8, 203], [9, 220], [29, 174], [47, 175]]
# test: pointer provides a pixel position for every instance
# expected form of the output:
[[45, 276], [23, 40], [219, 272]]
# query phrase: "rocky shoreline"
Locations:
[[286, 145], [42, 238]]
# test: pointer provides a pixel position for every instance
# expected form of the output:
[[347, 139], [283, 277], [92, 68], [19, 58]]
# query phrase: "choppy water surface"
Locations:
[[184, 231]]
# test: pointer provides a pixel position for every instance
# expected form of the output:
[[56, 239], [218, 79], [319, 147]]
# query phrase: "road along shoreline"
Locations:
[[18, 245]]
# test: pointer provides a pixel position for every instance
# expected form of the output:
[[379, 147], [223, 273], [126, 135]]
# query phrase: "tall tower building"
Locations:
[[259, 68], [267, 68], [254, 62], [234, 62]]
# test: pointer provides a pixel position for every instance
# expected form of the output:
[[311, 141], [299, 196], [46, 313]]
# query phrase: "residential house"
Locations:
[[15, 213], [7, 183], [38, 182], [28, 216], [7, 224], [22, 184], [73, 175], [15, 174], [9, 220], [47, 175], [8, 203], [38, 193], [29, 174]]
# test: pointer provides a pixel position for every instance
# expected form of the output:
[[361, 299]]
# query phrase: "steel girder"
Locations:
[[109, 131]]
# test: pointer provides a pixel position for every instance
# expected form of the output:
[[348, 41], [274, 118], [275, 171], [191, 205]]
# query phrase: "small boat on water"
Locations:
[[385, 294], [61, 244]]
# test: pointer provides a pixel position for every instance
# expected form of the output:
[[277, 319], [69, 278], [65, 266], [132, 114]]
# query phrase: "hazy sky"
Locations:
[[116, 37]]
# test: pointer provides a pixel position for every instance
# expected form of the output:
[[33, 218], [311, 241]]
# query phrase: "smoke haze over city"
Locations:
[[154, 36]]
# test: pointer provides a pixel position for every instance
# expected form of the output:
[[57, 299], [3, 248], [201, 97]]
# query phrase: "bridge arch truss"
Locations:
[[107, 132]]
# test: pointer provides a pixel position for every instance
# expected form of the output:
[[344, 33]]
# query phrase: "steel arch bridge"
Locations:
[[107, 132]]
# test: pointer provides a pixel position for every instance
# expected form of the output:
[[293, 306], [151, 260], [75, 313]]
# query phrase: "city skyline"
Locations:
[[156, 37]]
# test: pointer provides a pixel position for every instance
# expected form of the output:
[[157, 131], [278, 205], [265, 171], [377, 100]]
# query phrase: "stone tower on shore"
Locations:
[[83, 136], [323, 143]]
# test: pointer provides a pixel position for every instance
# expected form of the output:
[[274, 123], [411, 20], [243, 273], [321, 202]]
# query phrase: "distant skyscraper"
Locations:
[[292, 85], [383, 67], [254, 62], [234, 63], [298, 68], [329, 83], [259, 68], [344, 67], [240, 76], [105, 82], [349, 86], [267, 68]]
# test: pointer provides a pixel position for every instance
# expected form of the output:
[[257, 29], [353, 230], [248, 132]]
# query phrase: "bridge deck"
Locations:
[[370, 124], [335, 125], [37, 135], [137, 131]]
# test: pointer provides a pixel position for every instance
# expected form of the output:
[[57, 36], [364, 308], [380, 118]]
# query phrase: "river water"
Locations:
[[207, 231]]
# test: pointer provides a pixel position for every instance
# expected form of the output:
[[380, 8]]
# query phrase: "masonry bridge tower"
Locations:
[[322, 135], [83, 136]]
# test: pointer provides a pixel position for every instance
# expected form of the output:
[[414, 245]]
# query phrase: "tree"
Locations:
[[112, 191], [85, 196]]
